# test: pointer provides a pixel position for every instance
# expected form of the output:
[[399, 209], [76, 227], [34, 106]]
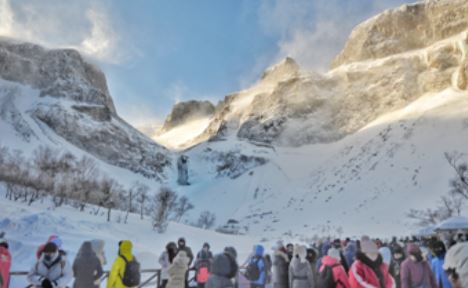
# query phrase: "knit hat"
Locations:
[[413, 248], [50, 248], [206, 245], [456, 259], [368, 246], [334, 253], [301, 252], [56, 240]]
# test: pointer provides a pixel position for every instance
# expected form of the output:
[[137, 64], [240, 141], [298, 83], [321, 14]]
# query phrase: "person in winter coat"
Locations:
[[178, 270], [118, 268], [337, 245], [52, 270], [98, 248], [290, 251], [224, 270], [386, 254], [415, 271], [437, 265], [369, 270], [280, 266], [165, 260], [395, 265], [87, 268], [54, 239], [333, 260], [258, 260], [268, 268], [203, 265], [456, 266], [182, 246], [300, 272], [5, 262], [312, 259], [350, 252]]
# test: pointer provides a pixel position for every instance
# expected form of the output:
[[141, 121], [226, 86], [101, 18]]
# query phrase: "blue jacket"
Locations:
[[260, 264], [439, 273]]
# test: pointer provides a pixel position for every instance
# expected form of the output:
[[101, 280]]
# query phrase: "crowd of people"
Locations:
[[339, 263]]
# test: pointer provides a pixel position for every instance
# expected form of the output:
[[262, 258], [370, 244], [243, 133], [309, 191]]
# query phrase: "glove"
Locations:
[[46, 284]]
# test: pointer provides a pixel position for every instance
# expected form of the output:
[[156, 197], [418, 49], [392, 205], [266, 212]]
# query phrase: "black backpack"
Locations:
[[131, 277], [326, 279], [252, 273]]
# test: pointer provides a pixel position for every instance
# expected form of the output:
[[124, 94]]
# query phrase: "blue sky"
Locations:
[[157, 52]]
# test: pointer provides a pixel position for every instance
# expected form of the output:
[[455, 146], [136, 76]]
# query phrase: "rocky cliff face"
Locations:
[[186, 111], [407, 28], [389, 61], [57, 90]]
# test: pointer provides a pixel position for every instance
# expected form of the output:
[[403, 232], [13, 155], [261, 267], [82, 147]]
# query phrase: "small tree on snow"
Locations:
[[141, 198], [182, 207], [206, 220], [459, 184], [163, 204]]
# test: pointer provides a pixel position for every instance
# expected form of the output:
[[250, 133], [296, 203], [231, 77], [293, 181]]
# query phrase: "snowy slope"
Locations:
[[364, 183], [28, 227]]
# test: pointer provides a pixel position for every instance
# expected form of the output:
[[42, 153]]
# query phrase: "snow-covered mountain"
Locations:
[[298, 153], [55, 98], [350, 150], [388, 62]]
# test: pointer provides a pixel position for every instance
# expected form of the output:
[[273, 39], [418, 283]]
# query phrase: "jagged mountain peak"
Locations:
[[407, 28], [53, 97], [59, 73], [286, 68]]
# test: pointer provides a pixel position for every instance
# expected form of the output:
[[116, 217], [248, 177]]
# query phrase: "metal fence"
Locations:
[[154, 279]]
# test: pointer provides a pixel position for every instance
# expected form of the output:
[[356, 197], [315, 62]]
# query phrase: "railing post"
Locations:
[[158, 283]]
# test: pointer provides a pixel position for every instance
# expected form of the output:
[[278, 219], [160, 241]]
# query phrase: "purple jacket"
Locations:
[[412, 274]]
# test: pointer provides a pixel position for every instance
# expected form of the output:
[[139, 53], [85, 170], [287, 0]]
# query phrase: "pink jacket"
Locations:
[[362, 276], [339, 274], [5, 265]]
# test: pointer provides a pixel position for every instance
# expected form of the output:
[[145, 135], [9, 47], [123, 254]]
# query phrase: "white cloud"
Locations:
[[313, 32], [85, 25]]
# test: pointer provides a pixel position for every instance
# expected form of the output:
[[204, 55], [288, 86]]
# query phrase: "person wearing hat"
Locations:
[[333, 260], [280, 266], [52, 269], [369, 270], [182, 246], [395, 265], [300, 272], [5, 262], [87, 268], [437, 265], [415, 271], [202, 265], [456, 265], [224, 270]]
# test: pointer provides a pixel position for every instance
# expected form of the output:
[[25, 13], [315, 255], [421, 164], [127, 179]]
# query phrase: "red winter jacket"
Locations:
[[361, 275], [5, 265], [339, 274]]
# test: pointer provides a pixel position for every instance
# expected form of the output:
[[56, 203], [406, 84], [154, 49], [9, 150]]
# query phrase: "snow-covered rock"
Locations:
[[45, 92], [389, 61]]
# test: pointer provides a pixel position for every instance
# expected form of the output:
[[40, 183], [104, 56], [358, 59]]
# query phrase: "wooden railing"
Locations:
[[153, 281]]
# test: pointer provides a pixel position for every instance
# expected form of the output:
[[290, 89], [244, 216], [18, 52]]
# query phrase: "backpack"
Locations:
[[252, 273], [131, 277], [326, 279], [203, 272]]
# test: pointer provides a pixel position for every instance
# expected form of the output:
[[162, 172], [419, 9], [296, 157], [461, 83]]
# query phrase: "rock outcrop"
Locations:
[[389, 61], [59, 90]]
